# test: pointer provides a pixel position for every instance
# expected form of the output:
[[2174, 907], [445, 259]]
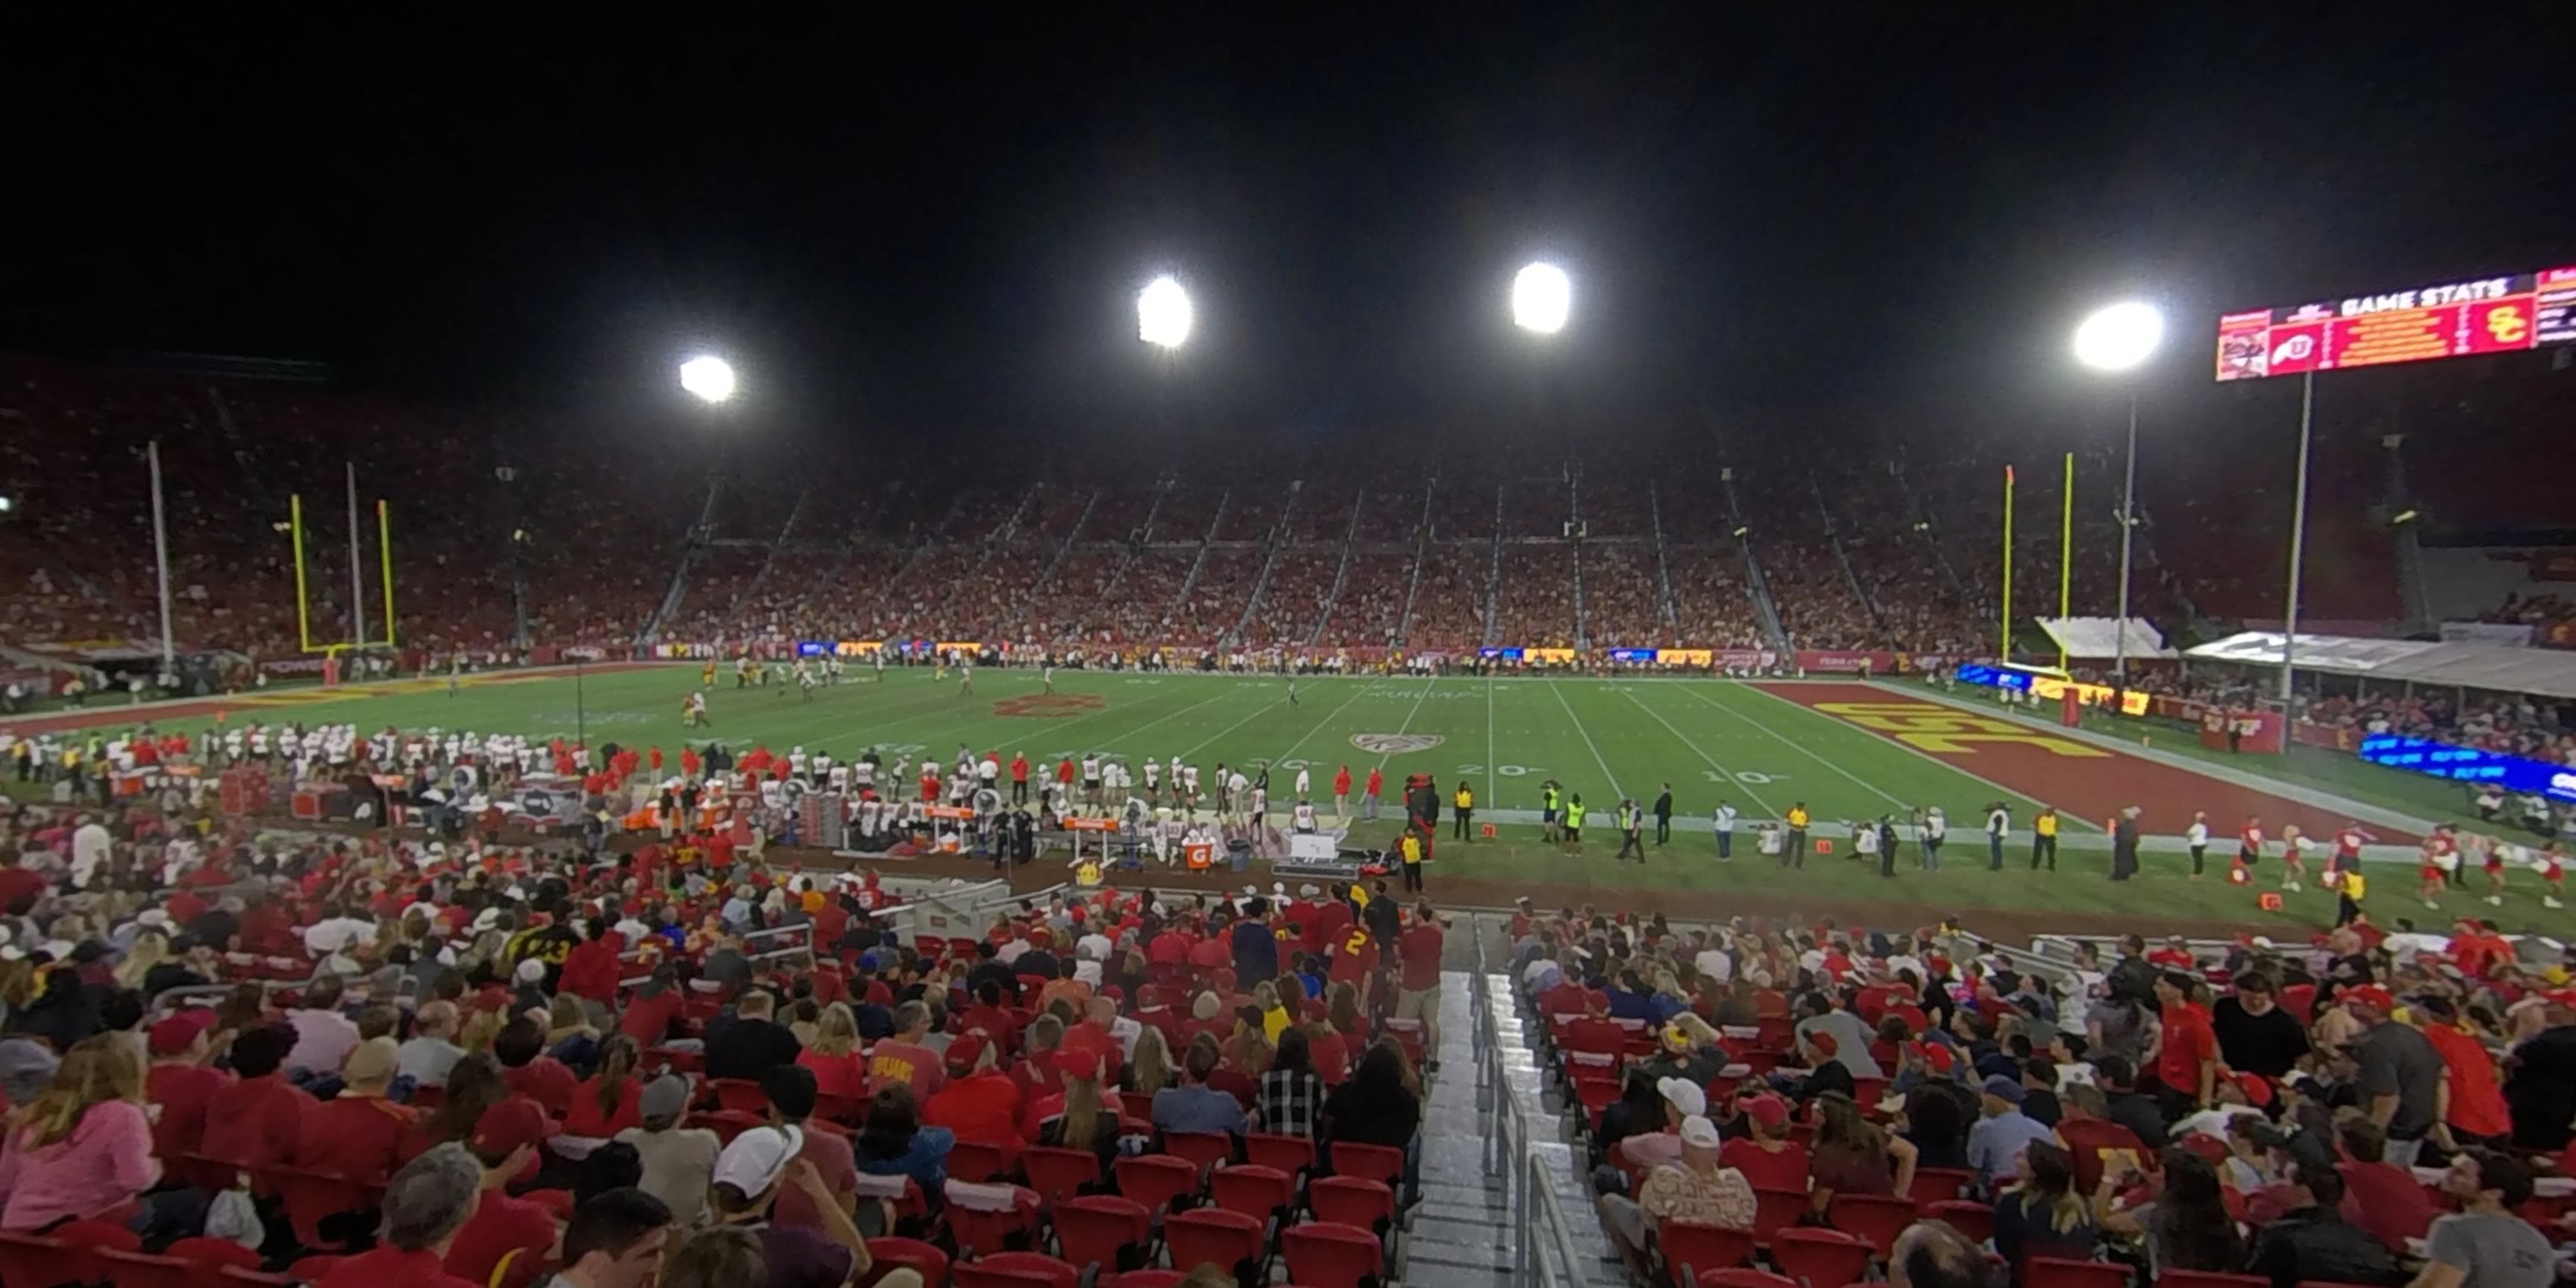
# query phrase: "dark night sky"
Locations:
[[899, 223]]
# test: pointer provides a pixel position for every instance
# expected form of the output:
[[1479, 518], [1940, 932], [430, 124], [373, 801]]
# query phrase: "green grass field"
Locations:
[[1599, 737]]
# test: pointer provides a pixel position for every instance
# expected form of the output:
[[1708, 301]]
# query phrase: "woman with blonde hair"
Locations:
[[1275, 1018], [1087, 1121], [1150, 1069], [481, 1027], [151, 948], [833, 1055], [83, 1147]]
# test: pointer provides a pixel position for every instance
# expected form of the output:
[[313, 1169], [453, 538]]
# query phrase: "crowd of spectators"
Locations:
[[1830, 1100], [1623, 597], [373, 1059], [1449, 609], [1296, 598], [1216, 599]]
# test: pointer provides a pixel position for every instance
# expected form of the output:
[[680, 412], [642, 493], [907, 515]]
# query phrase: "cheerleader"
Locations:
[[2441, 855], [2294, 863], [2495, 856], [2553, 873]]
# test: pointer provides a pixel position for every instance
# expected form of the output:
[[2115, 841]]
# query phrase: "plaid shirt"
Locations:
[[1291, 1104]]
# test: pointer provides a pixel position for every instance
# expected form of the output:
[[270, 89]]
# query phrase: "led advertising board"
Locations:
[[2469, 764]]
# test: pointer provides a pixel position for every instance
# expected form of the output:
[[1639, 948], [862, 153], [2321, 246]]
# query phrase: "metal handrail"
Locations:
[[1529, 1200]]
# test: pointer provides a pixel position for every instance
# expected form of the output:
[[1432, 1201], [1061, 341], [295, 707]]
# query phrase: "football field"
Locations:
[[1847, 750]]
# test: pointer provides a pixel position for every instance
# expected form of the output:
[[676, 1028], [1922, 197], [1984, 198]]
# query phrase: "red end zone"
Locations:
[[2080, 778]]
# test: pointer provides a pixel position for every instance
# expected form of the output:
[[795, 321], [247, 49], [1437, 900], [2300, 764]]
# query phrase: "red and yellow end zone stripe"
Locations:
[[1948, 731]]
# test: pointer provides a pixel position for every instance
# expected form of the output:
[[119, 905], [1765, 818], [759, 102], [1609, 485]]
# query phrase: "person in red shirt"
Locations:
[[1064, 775], [257, 1121], [2379, 1196], [1332, 926], [2476, 1114], [2174, 955], [648, 1015], [980, 1103], [1354, 957], [611, 1100], [529, 1071], [1019, 778], [1171, 947], [428, 1204], [591, 969], [180, 1083], [1376, 784], [1417, 987], [358, 1134], [902, 1058], [1763, 1152], [2187, 1060]]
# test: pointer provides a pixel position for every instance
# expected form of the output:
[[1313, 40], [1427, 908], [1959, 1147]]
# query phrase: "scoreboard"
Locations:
[[2445, 320]]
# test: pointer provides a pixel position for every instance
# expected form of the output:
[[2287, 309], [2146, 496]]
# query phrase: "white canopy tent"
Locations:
[[2545, 672], [2099, 637]]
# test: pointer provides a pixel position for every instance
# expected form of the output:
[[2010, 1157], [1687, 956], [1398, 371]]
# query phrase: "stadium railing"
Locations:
[[1530, 1203]]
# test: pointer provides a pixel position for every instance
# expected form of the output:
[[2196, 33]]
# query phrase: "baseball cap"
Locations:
[[1769, 1110], [664, 1097], [1683, 1094], [757, 1158], [2002, 1088], [1940, 1057], [508, 1125], [1824, 1043], [965, 1050], [2370, 995], [1698, 1132], [1076, 1062]]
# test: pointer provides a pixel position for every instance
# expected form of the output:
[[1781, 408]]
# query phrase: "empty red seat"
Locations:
[[1967, 1216], [1326, 1254], [238, 1277], [1059, 1174], [2065, 1272], [1142, 1279], [923, 1257], [1103, 1230], [213, 1254], [981, 1229], [1290, 1154], [1741, 1277], [1875, 1218], [312, 1197], [1933, 1184], [1693, 1248], [2200, 1279], [1776, 1210], [974, 1161], [1155, 1179], [1352, 1200], [1820, 1256], [1253, 1190], [741, 1095], [1015, 1270], [1230, 1241], [1383, 1163], [1204, 1148], [37, 1261]]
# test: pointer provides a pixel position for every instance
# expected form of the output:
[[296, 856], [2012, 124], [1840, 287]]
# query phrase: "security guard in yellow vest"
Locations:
[[1466, 803], [2043, 838], [1796, 855], [1574, 812]]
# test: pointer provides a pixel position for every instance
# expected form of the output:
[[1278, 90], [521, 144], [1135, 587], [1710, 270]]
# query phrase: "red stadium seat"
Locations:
[[1967, 1216], [739, 1095], [2209, 1279], [1383, 1163], [312, 1197], [1744, 1278], [1215, 1236], [2064, 1272], [1876, 1219], [975, 1161], [1777, 1210], [239, 1277], [1253, 1190], [979, 1230], [1933, 1184], [1155, 1180], [923, 1257], [213, 1254], [1693, 1248], [1142, 1279], [1290, 1154], [1014, 1270], [38, 1261], [1820, 1256], [141, 1270], [1059, 1174], [1103, 1230], [1352, 1200], [1204, 1148], [1323, 1254]]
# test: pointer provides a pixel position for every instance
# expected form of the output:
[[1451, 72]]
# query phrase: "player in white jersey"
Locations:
[[1303, 784], [693, 712], [823, 768], [965, 676], [839, 777], [1047, 677], [1091, 780], [804, 682], [863, 774], [796, 760], [988, 772], [877, 659], [1153, 780], [832, 669], [1292, 692]]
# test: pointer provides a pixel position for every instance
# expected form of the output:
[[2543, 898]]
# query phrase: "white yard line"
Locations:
[[1257, 712], [1586, 735], [1749, 793], [1319, 725], [1489, 741], [1775, 735]]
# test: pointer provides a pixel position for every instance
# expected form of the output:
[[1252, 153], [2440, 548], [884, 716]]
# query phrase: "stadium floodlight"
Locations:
[[6, 505], [1163, 313], [1542, 298], [709, 377], [2119, 336]]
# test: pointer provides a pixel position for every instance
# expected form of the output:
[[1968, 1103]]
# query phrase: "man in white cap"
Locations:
[[1682, 1099], [747, 1179], [1693, 1188]]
